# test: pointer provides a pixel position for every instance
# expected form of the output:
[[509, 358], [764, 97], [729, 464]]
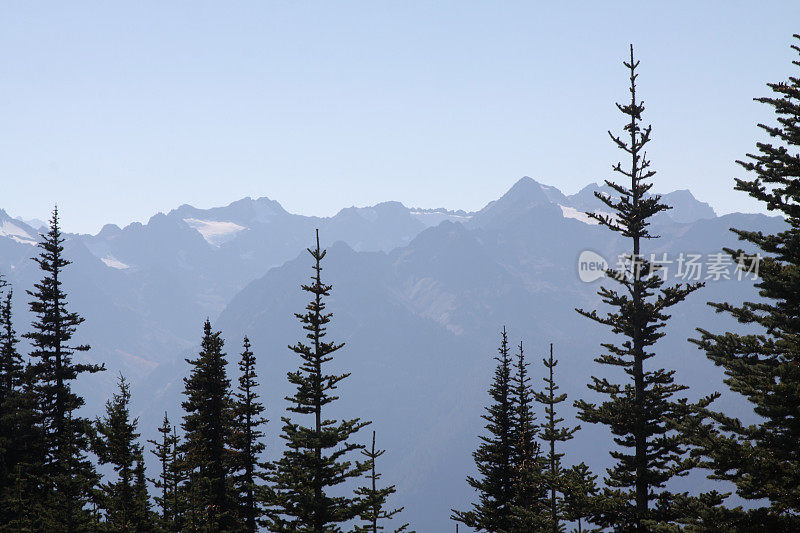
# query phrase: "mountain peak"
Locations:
[[685, 207], [243, 212], [524, 195], [526, 191], [16, 229]]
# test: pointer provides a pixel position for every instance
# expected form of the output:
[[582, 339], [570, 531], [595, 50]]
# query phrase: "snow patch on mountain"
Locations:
[[571, 212], [577, 214], [215, 232], [113, 262], [434, 217], [13, 231]]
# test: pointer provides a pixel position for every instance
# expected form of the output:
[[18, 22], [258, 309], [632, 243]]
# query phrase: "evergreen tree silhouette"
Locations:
[[530, 510], [208, 433], [116, 443], [494, 457], [316, 456], [21, 439], [638, 407], [580, 490], [248, 441], [552, 432], [374, 498], [166, 483], [67, 477], [762, 459]]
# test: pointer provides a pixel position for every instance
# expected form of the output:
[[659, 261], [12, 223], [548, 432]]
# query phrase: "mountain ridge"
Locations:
[[419, 298]]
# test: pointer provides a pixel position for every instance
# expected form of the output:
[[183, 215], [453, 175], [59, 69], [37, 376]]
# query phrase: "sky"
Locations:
[[116, 111]]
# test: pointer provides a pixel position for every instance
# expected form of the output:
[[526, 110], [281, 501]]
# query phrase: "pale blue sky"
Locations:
[[119, 111]]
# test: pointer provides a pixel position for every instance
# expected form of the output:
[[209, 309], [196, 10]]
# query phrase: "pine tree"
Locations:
[[21, 436], [164, 452], [529, 510], [208, 432], [315, 458], [248, 441], [374, 498], [638, 409], [762, 459], [552, 432], [143, 516], [116, 444], [11, 364], [179, 479], [494, 457], [17, 428], [11, 368], [580, 489], [67, 475]]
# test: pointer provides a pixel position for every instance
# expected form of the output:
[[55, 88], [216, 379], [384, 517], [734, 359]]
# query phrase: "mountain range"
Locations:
[[419, 298]]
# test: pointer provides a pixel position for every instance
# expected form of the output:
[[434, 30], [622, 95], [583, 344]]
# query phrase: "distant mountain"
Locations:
[[419, 297], [17, 230], [434, 217], [685, 207], [526, 195], [421, 325], [35, 223]]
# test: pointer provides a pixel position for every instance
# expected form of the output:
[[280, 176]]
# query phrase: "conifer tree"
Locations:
[[374, 498], [179, 480], [21, 438], [580, 489], [11, 364], [248, 440], [67, 475], [11, 368], [552, 432], [124, 505], [16, 419], [143, 515], [529, 510], [164, 452], [494, 457], [208, 432], [762, 459], [636, 410], [316, 456]]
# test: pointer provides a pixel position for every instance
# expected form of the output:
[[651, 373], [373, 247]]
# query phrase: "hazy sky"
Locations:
[[119, 111]]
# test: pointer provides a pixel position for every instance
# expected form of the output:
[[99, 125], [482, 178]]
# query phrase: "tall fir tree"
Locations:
[[494, 457], [179, 479], [11, 364], [208, 433], [762, 458], [374, 498], [315, 460], [649, 454], [529, 510], [67, 475], [165, 482], [143, 516], [21, 437], [116, 443], [580, 490], [248, 441], [553, 432], [11, 367], [16, 421]]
